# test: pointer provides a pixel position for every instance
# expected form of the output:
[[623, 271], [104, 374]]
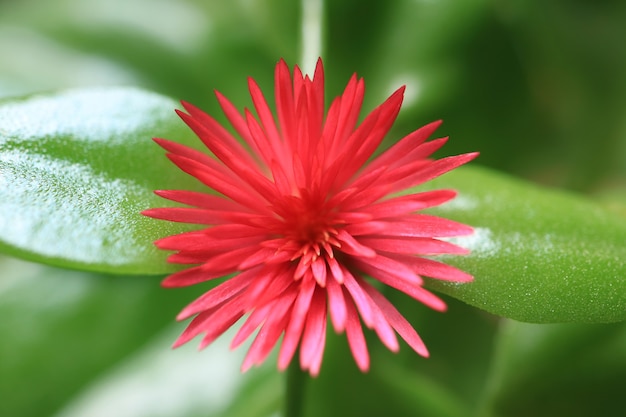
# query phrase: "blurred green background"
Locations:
[[538, 87]]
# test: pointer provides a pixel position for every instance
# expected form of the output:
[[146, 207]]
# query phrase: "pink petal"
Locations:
[[233, 158], [186, 240], [196, 216], [285, 105], [267, 121], [369, 135], [360, 298], [423, 151], [435, 269], [184, 151], [227, 261], [190, 276], [269, 283], [336, 306], [433, 170], [236, 120], [356, 340], [416, 225], [233, 230], [228, 185], [269, 334], [415, 245], [196, 326], [220, 319], [351, 246], [313, 338], [199, 242], [214, 297], [400, 206], [411, 289], [214, 136], [335, 270], [318, 268], [399, 323], [265, 256], [379, 323], [404, 146], [296, 324], [390, 267], [254, 320], [349, 107], [301, 215], [202, 200]]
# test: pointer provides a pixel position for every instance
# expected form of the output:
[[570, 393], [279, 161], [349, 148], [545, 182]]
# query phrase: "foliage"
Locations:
[[536, 87]]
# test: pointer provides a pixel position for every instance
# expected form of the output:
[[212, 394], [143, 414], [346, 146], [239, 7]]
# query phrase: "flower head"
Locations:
[[304, 223]]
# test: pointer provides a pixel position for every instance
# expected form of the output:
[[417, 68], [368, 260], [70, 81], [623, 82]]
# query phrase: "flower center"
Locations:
[[311, 230]]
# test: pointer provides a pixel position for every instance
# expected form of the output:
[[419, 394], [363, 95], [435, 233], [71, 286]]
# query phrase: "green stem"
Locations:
[[295, 389], [312, 28]]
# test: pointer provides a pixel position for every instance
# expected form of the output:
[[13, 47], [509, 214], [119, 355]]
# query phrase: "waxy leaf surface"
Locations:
[[76, 169], [538, 255]]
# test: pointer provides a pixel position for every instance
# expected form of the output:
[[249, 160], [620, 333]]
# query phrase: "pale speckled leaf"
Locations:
[[538, 255], [76, 169]]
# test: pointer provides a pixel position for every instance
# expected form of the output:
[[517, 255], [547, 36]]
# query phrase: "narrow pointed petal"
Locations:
[[398, 322], [351, 246], [226, 185], [318, 268], [336, 306], [404, 146], [413, 245], [190, 276], [254, 320], [356, 339], [266, 339], [314, 330], [360, 298], [299, 215], [420, 225], [223, 319], [227, 150], [236, 120], [220, 320], [201, 200], [293, 332], [227, 260], [267, 120], [389, 267], [217, 295], [407, 204], [274, 319], [435, 169]]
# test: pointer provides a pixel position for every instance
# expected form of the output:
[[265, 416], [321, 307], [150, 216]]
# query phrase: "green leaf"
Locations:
[[574, 370], [538, 255], [447, 384], [76, 169], [94, 343], [182, 49]]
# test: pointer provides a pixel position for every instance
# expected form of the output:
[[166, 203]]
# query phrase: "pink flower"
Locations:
[[304, 225]]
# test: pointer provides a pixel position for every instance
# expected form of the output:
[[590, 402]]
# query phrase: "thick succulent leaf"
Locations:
[[390, 388], [575, 370], [448, 383], [83, 344], [76, 169], [182, 49], [538, 255]]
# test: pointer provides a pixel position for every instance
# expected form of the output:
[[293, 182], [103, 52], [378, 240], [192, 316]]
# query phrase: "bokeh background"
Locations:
[[538, 87]]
